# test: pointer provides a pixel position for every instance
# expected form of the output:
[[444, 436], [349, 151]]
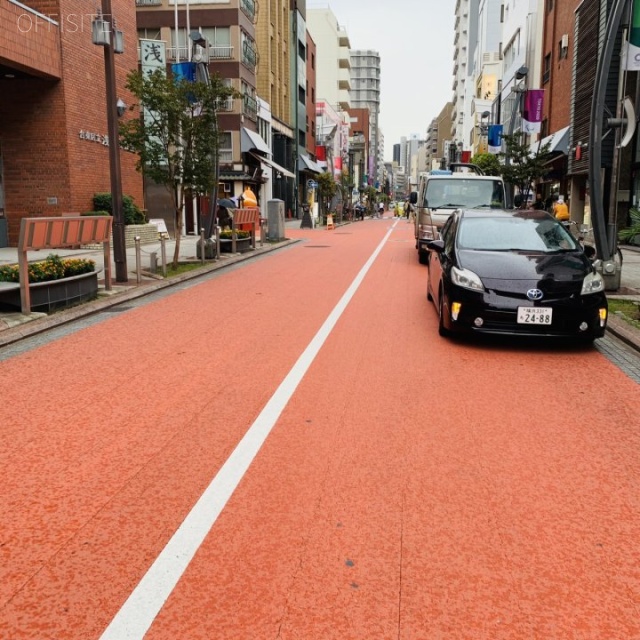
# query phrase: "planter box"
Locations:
[[242, 245], [51, 295]]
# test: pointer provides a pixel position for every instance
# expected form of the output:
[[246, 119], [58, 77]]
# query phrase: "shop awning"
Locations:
[[305, 163], [275, 165], [250, 140], [558, 143]]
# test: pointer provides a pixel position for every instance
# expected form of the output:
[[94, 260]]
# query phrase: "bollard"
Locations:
[[153, 262], [203, 248], [138, 261], [163, 254], [216, 231]]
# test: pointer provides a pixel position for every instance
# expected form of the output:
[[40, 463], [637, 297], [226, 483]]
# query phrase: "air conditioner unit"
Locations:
[[226, 187], [564, 41]]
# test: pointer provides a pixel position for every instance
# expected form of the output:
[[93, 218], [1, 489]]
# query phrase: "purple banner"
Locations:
[[532, 112]]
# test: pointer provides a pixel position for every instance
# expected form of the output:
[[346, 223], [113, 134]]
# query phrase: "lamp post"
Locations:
[[105, 35], [519, 88], [484, 131]]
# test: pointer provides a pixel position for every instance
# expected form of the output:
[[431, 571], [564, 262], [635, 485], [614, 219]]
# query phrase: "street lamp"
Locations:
[[105, 34], [484, 131], [519, 88]]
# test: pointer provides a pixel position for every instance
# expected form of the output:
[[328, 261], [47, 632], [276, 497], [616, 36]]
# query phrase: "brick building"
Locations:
[[53, 124]]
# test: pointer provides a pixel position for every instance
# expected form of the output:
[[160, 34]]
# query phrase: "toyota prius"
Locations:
[[514, 272]]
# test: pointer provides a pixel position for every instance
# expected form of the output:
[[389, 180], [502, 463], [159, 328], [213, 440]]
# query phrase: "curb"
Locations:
[[624, 331], [40, 323]]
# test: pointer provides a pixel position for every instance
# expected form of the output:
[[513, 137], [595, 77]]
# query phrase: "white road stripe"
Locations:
[[145, 602]]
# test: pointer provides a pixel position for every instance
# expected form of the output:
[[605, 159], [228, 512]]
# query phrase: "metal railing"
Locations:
[[250, 107], [249, 8]]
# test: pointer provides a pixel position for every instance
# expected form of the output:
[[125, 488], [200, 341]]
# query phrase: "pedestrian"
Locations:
[[561, 210], [538, 205], [380, 210]]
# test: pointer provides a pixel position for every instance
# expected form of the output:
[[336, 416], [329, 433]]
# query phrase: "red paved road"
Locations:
[[412, 488]]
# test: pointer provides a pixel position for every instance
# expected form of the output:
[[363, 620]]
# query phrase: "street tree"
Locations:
[[176, 136], [327, 188], [522, 168], [488, 162]]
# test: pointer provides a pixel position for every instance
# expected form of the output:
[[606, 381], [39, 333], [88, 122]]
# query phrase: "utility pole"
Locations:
[[119, 250]]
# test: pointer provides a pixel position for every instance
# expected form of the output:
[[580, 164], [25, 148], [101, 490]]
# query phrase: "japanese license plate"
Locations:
[[534, 315]]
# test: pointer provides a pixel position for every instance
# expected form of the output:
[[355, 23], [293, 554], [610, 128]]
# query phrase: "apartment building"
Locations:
[[333, 80], [465, 38], [231, 51], [54, 147], [438, 133], [365, 94]]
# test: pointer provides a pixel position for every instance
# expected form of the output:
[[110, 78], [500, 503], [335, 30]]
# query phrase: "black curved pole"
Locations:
[[595, 134]]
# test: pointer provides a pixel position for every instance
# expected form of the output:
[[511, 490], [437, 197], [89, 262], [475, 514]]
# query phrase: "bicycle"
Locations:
[[584, 236]]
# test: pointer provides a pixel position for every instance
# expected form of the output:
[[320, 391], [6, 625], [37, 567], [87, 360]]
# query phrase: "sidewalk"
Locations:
[[15, 326]]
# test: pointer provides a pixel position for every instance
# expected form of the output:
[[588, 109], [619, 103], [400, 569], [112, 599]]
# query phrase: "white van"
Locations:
[[440, 192]]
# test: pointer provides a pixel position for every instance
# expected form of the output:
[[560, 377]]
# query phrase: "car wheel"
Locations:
[[442, 330], [423, 257]]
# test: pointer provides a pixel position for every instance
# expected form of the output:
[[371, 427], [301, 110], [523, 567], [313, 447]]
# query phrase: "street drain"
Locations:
[[116, 309]]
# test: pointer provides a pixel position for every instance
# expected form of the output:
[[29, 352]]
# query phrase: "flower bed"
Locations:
[[54, 283]]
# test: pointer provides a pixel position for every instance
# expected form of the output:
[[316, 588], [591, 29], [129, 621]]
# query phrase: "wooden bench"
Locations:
[[65, 232], [250, 218]]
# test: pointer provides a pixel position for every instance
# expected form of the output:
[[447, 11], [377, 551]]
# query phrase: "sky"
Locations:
[[415, 42]]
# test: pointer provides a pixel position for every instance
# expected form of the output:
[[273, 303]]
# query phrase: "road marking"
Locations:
[[140, 609]]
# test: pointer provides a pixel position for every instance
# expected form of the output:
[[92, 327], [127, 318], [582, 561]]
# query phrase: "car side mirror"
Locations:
[[589, 251], [413, 197], [436, 245]]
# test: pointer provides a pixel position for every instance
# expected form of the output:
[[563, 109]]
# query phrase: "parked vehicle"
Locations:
[[514, 272], [442, 191]]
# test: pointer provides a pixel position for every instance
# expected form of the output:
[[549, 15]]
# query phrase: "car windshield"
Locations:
[[540, 234], [468, 193]]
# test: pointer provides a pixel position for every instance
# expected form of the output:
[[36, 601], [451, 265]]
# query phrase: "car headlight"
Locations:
[[466, 279], [593, 283]]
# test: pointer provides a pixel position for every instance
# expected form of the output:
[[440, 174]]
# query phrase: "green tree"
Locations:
[[522, 168], [327, 188], [488, 162], [177, 138]]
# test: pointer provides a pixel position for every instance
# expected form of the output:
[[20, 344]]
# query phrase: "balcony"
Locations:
[[225, 105], [249, 55], [220, 52], [249, 8], [250, 107]]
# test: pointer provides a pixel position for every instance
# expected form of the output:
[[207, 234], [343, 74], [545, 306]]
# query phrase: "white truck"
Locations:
[[440, 192]]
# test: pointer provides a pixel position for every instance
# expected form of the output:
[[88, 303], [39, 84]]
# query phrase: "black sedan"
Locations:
[[514, 272]]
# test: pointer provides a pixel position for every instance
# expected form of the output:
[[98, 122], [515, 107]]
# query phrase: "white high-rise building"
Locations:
[[365, 94], [333, 60], [466, 35]]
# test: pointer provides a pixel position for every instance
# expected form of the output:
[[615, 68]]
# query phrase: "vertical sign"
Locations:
[[153, 56], [495, 138], [633, 46], [532, 112]]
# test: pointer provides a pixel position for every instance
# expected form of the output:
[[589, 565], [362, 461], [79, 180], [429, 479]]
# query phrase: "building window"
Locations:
[[219, 40], [225, 147], [546, 69]]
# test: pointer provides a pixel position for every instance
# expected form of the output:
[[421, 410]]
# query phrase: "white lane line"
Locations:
[[143, 605]]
